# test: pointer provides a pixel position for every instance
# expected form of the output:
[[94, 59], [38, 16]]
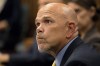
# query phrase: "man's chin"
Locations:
[[41, 49]]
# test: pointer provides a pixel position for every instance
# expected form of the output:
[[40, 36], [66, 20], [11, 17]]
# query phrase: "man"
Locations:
[[87, 17], [57, 34]]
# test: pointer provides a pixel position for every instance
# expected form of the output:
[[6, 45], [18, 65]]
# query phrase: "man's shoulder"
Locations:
[[85, 54], [86, 50]]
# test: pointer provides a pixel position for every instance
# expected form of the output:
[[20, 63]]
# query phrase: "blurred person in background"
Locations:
[[10, 25], [87, 16]]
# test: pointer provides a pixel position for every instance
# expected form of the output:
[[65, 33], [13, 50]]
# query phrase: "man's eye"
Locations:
[[47, 21], [37, 24], [77, 10]]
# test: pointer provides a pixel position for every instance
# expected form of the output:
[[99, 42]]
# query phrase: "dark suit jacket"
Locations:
[[32, 58], [80, 54]]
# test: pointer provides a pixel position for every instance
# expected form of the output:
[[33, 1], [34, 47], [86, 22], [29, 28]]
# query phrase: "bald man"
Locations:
[[57, 34]]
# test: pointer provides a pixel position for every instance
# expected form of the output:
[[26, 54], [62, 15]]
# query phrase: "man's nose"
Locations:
[[39, 29]]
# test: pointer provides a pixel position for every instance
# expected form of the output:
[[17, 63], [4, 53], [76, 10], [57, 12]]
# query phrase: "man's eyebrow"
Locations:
[[45, 17]]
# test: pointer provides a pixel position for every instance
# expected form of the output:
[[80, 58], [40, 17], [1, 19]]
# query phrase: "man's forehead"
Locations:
[[49, 9], [58, 7], [43, 17], [50, 1], [46, 14]]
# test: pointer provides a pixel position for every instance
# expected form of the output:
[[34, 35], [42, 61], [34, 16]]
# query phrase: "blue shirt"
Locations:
[[61, 53]]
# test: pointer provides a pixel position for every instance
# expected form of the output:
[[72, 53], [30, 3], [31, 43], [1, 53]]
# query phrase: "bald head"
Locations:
[[41, 3], [60, 10]]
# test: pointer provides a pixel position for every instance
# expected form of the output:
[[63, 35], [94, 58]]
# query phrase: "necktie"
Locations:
[[54, 64]]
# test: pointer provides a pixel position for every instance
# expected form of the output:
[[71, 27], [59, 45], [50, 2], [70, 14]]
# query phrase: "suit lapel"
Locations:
[[70, 49]]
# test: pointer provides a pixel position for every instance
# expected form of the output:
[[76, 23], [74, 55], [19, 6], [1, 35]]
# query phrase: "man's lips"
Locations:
[[39, 37], [40, 40]]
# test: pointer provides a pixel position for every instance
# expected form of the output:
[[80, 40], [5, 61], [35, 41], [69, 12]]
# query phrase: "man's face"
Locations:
[[84, 15], [51, 30]]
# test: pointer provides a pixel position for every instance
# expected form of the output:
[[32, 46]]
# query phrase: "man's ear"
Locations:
[[70, 29]]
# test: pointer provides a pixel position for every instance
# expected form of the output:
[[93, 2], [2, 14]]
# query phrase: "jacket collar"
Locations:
[[70, 49]]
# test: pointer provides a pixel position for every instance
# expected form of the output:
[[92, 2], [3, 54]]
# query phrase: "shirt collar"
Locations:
[[62, 52]]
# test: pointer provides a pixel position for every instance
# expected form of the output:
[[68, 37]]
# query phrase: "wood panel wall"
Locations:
[[32, 11]]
